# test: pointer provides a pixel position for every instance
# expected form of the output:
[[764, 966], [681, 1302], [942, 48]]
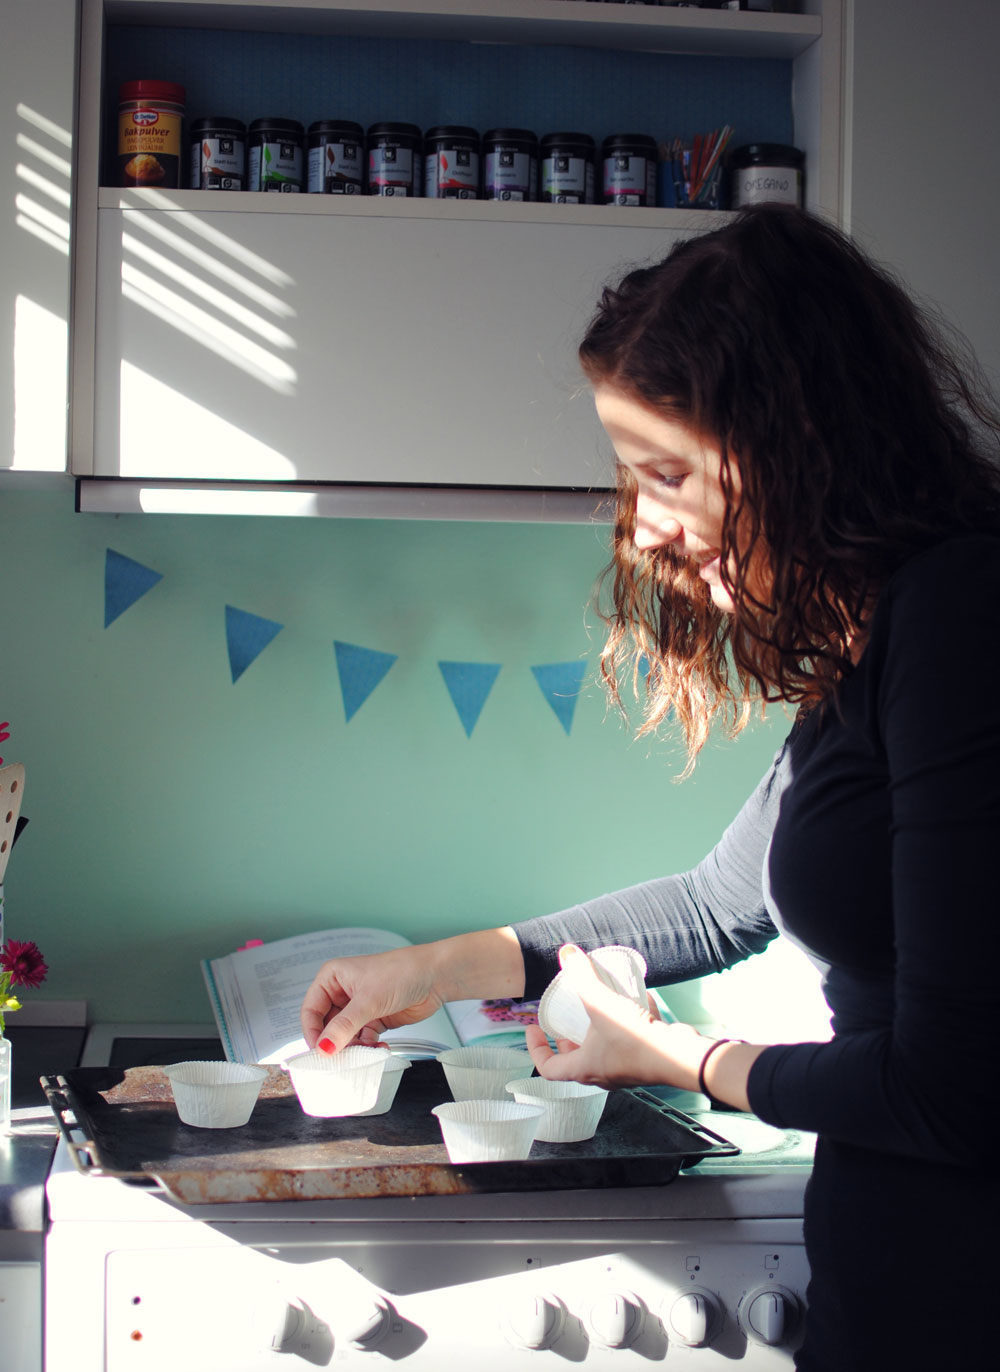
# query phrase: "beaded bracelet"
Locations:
[[704, 1063]]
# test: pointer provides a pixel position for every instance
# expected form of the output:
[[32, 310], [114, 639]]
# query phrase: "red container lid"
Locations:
[[152, 90]]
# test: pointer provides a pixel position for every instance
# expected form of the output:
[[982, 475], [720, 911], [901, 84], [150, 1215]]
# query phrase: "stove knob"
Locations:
[[693, 1318], [293, 1328], [368, 1324], [768, 1315], [534, 1321], [616, 1320]]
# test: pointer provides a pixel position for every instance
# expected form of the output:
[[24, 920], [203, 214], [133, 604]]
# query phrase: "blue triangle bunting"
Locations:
[[469, 683], [360, 671], [247, 636], [125, 582], [560, 684]]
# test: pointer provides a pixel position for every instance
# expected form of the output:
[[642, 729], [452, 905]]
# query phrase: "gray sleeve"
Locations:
[[686, 925]]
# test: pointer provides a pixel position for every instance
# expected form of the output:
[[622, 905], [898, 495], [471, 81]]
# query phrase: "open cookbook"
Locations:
[[256, 993]]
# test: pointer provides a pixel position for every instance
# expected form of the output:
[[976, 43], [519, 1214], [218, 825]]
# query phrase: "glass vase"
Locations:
[[5, 1071]]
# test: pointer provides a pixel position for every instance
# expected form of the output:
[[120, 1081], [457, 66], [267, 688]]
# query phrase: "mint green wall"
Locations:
[[174, 814]]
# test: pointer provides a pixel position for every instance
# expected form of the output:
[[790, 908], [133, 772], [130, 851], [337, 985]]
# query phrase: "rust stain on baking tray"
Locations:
[[283, 1154]]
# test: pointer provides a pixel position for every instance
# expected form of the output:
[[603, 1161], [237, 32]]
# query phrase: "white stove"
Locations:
[[705, 1270]]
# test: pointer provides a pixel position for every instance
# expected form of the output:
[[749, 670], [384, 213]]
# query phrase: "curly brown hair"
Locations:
[[862, 432]]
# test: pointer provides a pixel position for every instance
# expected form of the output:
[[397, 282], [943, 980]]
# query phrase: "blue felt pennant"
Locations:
[[125, 582], [247, 636], [560, 684], [469, 683], [360, 671]]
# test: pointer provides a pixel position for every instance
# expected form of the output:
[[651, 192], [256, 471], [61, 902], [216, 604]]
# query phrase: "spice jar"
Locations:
[[766, 171], [629, 169], [394, 159], [336, 157], [275, 155], [511, 164], [150, 122], [568, 168], [451, 163], [218, 154]]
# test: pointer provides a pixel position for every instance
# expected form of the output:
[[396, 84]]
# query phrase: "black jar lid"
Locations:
[[337, 126], [395, 130], [510, 136], [767, 155], [629, 140], [218, 122], [276, 126], [452, 131], [579, 140]]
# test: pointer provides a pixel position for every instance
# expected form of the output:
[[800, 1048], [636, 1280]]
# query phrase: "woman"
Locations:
[[808, 512]]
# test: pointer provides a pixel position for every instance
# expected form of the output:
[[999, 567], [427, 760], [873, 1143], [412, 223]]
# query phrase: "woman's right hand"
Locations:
[[357, 998], [368, 994]]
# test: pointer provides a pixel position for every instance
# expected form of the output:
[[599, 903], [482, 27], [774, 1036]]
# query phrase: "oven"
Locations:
[[706, 1270]]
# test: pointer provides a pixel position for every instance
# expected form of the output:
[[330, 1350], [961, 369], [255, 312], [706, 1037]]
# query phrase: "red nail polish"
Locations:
[[325, 1045]]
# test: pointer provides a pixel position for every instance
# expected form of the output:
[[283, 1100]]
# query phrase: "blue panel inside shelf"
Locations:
[[547, 89]]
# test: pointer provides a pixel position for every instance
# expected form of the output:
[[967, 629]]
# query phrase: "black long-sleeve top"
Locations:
[[871, 843]]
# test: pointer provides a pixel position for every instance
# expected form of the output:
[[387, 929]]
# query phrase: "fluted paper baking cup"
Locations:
[[392, 1075], [487, 1130], [561, 1012], [572, 1110], [480, 1072], [215, 1095], [329, 1085]]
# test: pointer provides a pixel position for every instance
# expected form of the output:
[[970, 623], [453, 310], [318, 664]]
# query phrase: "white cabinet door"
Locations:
[[21, 1316], [360, 346], [37, 65]]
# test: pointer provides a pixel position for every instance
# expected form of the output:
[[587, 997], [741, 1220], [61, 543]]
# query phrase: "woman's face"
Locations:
[[680, 499]]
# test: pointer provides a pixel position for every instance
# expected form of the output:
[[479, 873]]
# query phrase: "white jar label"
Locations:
[[754, 185], [335, 169], [275, 167], [451, 174], [217, 163], [390, 171], [509, 174]]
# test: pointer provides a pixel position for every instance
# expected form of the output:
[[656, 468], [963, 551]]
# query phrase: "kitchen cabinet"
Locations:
[[307, 338], [37, 77]]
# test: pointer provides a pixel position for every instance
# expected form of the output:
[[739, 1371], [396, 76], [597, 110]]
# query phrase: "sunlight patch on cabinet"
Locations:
[[154, 415], [40, 381]]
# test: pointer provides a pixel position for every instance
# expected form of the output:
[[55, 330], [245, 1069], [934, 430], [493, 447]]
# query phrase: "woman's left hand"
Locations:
[[626, 1045]]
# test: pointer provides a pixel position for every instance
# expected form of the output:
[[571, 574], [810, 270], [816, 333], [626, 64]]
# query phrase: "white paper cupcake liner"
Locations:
[[561, 1012], [392, 1075], [572, 1110], [480, 1072], [487, 1130], [215, 1095], [329, 1085]]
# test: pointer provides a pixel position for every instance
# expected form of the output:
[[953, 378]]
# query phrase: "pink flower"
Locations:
[[23, 963]]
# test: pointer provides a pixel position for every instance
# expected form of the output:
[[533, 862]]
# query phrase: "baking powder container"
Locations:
[[572, 1110], [329, 1085], [481, 1072], [487, 1130], [561, 1012], [760, 172], [276, 155], [629, 169], [218, 155], [336, 157], [215, 1095], [567, 171], [451, 163], [150, 124], [394, 160], [510, 164]]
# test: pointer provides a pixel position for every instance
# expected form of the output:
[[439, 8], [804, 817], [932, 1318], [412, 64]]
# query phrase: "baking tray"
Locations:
[[131, 1130]]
